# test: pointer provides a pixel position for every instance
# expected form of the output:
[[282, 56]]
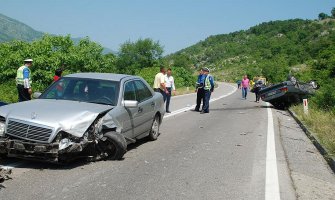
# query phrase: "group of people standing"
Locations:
[[164, 84]]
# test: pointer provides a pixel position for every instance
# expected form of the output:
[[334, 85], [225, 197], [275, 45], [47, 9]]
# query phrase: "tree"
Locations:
[[134, 56], [50, 53], [333, 12], [323, 16]]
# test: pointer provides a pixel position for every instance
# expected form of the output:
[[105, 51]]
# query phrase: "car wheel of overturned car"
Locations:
[[113, 146], [154, 132]]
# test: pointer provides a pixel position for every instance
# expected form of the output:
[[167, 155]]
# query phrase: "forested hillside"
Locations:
[[272, 49]]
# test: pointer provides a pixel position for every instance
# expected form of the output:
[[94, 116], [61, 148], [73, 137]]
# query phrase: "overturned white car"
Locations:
[[92, 115]]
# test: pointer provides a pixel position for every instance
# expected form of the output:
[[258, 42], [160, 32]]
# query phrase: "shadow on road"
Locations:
[[40, 165], [239, 108]]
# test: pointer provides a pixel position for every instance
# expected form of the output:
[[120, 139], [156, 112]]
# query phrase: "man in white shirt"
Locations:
[[170, 86]]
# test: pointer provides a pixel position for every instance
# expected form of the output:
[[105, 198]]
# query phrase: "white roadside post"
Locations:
[[305, 102]]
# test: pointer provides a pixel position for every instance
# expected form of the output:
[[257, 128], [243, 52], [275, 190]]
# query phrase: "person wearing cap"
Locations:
[[200, 90], [208, 89], [23, 81]]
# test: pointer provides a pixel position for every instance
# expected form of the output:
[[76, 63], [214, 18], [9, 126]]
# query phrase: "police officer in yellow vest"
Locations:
[[208, 89], [23, 81]]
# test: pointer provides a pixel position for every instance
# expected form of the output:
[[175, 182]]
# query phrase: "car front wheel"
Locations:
[[113, 146]]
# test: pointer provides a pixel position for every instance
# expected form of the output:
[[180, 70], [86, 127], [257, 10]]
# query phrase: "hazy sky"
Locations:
[[175, 23]]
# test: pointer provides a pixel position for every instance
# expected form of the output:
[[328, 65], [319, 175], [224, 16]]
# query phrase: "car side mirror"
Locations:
[[130, 104], [36, 95]]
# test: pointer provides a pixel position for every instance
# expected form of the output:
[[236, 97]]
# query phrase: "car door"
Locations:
[[146, 106], [130, 126]]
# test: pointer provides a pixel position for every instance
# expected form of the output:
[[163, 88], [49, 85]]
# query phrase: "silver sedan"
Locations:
[[92, 115]]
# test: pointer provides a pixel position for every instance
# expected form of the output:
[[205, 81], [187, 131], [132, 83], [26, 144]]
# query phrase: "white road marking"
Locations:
[[271, 177], [192, 106]]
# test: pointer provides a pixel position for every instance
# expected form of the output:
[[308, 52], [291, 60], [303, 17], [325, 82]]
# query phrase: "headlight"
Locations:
[[2, 128], [64, 143]]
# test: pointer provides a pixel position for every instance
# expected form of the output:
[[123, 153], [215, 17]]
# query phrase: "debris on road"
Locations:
[[310, 151], [245, 133], [4, 174], [239, 145]]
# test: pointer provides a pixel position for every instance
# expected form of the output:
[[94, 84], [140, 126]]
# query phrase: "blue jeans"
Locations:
[[206, 101], [244, 92]]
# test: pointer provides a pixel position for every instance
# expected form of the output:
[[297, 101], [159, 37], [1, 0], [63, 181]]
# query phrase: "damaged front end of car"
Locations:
[[94, 144]]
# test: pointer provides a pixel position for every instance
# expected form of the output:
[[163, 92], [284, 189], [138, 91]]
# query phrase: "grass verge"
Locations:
[[321, 123]]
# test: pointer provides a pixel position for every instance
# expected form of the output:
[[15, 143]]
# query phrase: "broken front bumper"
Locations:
[[36, 151]]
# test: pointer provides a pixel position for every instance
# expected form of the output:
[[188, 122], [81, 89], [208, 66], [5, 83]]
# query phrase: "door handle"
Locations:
[[153, 104], [140, 109]]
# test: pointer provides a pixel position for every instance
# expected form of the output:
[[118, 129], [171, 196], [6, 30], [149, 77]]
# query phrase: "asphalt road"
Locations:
[[234, 152]]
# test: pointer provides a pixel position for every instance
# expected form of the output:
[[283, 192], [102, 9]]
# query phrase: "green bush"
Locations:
[[8, 92], [325, 97]]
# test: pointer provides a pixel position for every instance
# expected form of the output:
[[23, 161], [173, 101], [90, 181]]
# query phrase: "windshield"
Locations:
[[84, 90]]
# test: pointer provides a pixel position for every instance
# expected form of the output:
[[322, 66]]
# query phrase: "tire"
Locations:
[[113, 145], [154, 131]]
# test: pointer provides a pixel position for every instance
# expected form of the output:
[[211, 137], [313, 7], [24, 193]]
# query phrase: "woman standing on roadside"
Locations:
[[245, 86]]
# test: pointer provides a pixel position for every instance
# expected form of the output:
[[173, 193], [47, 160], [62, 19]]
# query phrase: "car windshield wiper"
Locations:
[[100, 103]]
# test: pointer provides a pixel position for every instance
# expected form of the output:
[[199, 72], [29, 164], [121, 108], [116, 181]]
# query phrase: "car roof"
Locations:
[[101, 76]]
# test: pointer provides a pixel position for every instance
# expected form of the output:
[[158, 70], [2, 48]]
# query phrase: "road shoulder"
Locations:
[[312, 177]]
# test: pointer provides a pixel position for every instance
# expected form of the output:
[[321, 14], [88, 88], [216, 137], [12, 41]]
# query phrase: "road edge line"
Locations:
[[271, 174]]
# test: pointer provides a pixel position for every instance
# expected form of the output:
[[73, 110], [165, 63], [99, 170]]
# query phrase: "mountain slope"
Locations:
[[272, 49], [11, 29]]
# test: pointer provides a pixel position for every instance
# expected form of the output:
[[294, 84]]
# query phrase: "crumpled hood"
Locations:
[[70, 116]]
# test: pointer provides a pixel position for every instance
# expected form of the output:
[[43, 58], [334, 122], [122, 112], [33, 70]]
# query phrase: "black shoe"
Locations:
[[203, 112], [168, 111], [196, 110]]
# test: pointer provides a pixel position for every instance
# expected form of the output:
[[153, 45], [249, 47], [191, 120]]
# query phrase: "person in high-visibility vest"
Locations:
[[23, 81], [208, 89]]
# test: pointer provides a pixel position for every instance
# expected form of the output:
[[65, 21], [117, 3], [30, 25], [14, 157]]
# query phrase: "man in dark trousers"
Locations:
[[200, 90], [23, 81], [208, 89]]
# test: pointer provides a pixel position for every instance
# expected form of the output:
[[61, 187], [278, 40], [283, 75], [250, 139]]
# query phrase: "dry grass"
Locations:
[[321, 123]]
